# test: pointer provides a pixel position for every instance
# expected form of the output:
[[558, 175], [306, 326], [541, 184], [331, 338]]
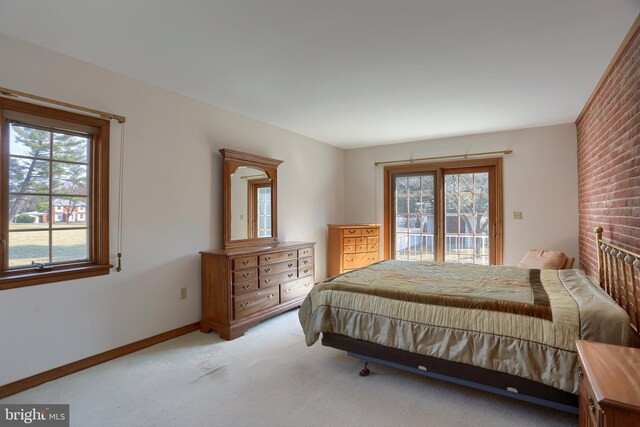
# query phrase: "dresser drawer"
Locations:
[[269, 280], [277, 257], [352, 232], [245, 262], [305, 262], [361, 248], [370, 231], [243, 288], [305, 271], [296, 289], [371, 257], [280, 267], [349, 241], [305, 252], [358, 260], [351, 249], [590, 413], [245, 275], [247, 304], [361, 241], [373, 247]]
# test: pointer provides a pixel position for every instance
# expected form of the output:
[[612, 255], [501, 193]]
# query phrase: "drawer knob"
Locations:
[[267, 281], [270, 296], [244, 304], [268, 269], [245, 262], [288, 291], [290, 274], [306, 285], [246, 286], [592, 404], [580, 373], [290, 254], [245, 275]]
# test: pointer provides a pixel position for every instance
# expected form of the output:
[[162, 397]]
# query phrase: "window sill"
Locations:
[[38, 278]]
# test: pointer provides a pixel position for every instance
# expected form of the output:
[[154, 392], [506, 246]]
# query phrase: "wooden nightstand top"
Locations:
[[614, 373]]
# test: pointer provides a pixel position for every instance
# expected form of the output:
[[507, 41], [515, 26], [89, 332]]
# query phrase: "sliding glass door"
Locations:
[[447, 212]]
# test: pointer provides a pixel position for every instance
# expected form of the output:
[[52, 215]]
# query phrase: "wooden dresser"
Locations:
[[243, 286], [352, 246], [609, 391]]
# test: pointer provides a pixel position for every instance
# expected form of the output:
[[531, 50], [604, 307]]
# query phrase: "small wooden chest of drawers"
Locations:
[[352, 246], [243, 286], [609, 391]]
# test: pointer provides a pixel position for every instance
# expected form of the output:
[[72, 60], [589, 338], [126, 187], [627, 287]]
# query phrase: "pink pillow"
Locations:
[[542, 259]]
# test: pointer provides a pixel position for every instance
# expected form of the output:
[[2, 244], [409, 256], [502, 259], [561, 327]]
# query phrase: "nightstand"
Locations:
[[609, 391]]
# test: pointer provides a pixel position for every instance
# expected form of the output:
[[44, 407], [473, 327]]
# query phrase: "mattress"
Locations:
[[513, 320]]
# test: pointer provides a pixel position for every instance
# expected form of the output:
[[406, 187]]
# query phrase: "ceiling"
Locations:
[[350, 73]]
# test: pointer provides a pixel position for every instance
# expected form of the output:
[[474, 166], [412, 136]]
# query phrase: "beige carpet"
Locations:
[[270, 377]]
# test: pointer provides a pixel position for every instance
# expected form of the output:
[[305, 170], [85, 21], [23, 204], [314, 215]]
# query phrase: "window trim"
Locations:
[[98, 263], [440, 168]]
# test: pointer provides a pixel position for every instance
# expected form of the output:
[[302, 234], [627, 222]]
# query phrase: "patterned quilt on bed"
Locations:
[[518, 321]]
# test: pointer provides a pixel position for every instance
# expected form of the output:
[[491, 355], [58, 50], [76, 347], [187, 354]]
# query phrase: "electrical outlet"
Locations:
[[183, 293], [517, 215]]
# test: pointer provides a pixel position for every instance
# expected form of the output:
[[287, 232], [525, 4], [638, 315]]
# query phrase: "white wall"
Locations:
[[172, 210], [540, 179]]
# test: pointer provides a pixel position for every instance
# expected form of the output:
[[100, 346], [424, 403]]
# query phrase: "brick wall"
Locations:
[[609, 159]]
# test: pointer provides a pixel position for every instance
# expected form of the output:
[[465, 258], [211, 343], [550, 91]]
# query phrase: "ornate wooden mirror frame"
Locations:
[[232, 160]]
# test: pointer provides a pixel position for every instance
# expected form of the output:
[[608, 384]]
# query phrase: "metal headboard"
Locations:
[[619, 273]]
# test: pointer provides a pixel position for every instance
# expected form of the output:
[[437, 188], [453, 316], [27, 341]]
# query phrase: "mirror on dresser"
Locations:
[[250, 199]]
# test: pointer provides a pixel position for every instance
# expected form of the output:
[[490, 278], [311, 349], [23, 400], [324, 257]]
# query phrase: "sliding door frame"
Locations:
[[441, 168]]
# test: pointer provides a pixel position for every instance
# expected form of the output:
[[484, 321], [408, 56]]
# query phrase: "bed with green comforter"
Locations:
[[517, 321]]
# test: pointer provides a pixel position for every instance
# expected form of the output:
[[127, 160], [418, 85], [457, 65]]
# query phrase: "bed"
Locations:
[[507, 330]]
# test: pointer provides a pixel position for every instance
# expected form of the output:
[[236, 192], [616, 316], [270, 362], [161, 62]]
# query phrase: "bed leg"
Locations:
[[365, 371]]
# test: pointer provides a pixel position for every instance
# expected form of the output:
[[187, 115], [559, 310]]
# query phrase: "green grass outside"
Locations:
[[32, 243]]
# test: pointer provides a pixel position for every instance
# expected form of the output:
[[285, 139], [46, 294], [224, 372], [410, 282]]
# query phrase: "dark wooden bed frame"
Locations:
[[618, 271]]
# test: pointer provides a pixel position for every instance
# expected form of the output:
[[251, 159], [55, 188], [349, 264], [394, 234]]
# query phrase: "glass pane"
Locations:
[[451, 224], [414, 222], [69, 212], [481, 203], [71, 148], [466, 182], [414, 204], [427, 184], [451, 183], [401, 186], [466, 202], [69, 245], [414, 185], [401, 223], [427, 205], [451, 203], [401, 205], [28, 246], [26, 141], [466, 224], [28, 212], [482, 225], [415, 242], [69, 178], [28, 175], [481, 182]]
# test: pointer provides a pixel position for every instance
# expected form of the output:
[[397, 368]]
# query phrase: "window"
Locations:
[[259, 193], [444, 212], [55, 164]]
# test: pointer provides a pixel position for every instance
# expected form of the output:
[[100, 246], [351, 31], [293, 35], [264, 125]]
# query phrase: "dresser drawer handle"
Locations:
[[305, 252], [270, 297], [246, 286], [290, 265], [267, 281], [288, 291], [352, 231], [306, 270], [267, 258], [369, 231], [290, 275], [306, 261], [350, 260], [580, 373], [245, 262], [268, 269], [306, 285], [244, 304], [290, 254], [245, 275], [592, 404]]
